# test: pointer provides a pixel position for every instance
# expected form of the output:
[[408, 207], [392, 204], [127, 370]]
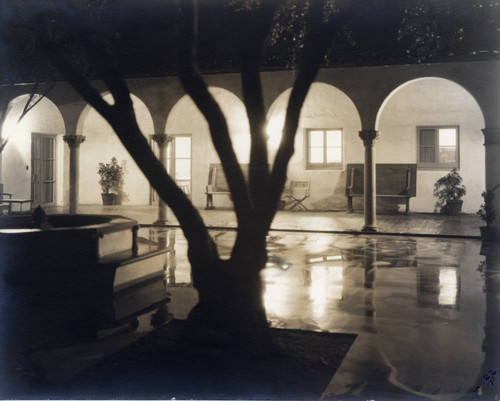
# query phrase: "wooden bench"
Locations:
[[217, 184], [3, 205], [392, 181], [297, 191]]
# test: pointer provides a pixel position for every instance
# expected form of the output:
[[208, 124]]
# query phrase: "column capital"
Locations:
[[161, 139], [368, 136], [74, 141], [491, 136]]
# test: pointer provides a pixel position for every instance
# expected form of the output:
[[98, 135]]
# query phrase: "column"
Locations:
[[492, 167], [162, 140], [368, 137], [74, 142]]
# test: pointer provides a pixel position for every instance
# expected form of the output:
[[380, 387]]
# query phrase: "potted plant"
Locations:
[[449, 190], [111, 181], [487, 214]]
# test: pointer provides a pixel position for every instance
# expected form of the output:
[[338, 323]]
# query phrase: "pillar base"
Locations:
[[160, 222], [370, 229]]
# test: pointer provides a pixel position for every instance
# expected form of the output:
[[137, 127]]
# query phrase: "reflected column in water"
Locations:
[[171, 260], [370, 267]]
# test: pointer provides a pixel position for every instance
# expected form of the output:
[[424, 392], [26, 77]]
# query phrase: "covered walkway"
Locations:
[[427, 224]]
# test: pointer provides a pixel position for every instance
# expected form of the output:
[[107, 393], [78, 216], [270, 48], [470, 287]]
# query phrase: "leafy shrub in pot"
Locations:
[[449, 190]]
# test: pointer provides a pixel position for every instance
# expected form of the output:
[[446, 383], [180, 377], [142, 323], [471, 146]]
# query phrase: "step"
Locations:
[[131, 270]]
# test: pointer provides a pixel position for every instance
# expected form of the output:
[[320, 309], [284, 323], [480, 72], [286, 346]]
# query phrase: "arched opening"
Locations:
[[327, 139], [33, 160], [101, 144], [191, 158], [436, 124]]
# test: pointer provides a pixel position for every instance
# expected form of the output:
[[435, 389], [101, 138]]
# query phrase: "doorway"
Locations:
[[178, 163], [43, 168]]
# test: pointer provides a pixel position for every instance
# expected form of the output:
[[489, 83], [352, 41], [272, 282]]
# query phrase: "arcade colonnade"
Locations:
[[377, 112]]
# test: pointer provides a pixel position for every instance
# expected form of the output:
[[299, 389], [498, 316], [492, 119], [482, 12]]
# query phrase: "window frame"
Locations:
[[436, 165], [324, 165]]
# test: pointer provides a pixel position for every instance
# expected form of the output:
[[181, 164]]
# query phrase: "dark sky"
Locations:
[[140, 35]]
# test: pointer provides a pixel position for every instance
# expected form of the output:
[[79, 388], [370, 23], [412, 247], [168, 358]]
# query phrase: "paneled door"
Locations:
[[43, 169]]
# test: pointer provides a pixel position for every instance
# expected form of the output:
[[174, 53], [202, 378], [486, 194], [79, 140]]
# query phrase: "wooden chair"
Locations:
[[298, 192]]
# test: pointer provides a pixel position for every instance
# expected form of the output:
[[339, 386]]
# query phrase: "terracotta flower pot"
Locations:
[[454, 207], [108, 199]]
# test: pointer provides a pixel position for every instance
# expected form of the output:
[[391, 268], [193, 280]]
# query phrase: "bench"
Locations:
[[392, 181], [217, 184], [3, 205], [296, 192]]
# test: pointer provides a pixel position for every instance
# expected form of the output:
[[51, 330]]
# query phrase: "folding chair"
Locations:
[[298, 192]]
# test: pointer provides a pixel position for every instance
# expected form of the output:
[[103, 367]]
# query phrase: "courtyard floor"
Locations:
[[465, 225], [418, 295]]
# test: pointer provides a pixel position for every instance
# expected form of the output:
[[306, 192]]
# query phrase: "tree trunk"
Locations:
[[230, 312]]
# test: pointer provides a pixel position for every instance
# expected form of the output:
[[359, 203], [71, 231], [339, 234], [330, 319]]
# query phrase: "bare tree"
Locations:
[[230, 291]]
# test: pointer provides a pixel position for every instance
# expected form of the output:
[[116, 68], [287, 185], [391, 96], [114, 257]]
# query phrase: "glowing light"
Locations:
[[274, 129], [448, 287], [326, 284]]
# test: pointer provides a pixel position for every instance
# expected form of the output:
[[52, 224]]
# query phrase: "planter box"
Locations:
[[489, 234]]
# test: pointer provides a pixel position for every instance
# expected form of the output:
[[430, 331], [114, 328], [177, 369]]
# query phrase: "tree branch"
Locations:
[[196, 88], [28, 106], [255, 29], [321, 30], [121, 117]]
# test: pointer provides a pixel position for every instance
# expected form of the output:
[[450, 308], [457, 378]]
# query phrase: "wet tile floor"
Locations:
[[417, 304]]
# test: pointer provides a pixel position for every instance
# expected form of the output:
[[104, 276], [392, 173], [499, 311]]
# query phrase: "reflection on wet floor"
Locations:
[[416, 301], [417, 305]]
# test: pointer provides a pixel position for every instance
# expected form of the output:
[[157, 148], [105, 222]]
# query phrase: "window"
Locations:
[[438, 147], [179, 161], [324, 149]]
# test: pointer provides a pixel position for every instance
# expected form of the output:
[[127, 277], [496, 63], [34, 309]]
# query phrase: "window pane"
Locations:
[[48, 170], [334, 155], [334, 138], [183, 147], [427, 155], [316, 138], [48, 148], [169, 150], [447, 145], [447, 137], [447, 154], [183, 169], [316, 155], [48, 193], [427, 137]]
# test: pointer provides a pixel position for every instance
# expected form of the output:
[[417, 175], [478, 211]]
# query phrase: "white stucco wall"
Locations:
[[329, 108], [433, 101], [185, 118], [101, 144], [44, 118]]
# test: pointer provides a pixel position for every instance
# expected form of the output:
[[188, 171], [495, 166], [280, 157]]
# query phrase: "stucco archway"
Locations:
[[101, 144], [186, 119], [44, 119], [325, 107], [433, 102]]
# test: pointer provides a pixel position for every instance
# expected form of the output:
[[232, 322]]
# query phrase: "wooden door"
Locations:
[[43, 169]]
